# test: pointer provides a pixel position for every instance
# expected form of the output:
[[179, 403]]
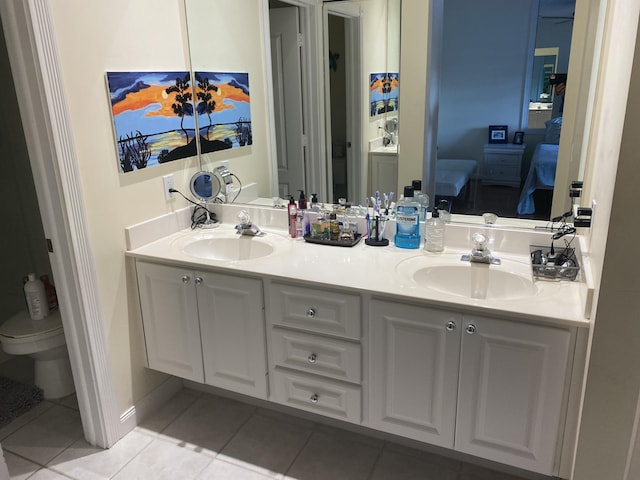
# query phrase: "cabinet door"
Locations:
[[233, 333], [512, 378], [414, 364], [170, 320]]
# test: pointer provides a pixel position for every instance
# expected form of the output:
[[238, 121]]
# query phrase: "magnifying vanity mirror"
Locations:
[[278, 168], [205, 186]]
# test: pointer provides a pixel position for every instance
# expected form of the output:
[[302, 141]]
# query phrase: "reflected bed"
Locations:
[[542, 174]]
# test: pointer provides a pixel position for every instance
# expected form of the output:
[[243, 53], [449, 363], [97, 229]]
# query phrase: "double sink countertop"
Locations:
[[435, 279]]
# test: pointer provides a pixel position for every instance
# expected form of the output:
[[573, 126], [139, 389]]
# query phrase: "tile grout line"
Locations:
[[377, 462], [304, 445]]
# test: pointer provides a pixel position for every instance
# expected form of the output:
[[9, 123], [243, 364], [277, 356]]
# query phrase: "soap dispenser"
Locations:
[[302, 201], [434, 241]]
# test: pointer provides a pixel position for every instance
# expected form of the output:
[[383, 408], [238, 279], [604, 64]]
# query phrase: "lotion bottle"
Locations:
[[434, 241], [36, 297]]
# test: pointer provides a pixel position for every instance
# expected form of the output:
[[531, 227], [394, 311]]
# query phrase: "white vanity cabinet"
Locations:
[[488, 387], [204, 326], [414, 360], [512, 384], [170, 319], [315, 351]]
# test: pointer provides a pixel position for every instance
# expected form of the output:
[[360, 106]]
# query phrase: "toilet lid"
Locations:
[[21, 325]]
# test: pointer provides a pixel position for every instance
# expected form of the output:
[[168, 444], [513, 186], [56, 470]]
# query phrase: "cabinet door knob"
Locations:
[[311, 312], [314, 398], [451, 326], [312, 358], [186, 279], [199, 280], [471, 329]]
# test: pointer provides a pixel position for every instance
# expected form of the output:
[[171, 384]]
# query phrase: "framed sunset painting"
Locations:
[[223, 107], [153, 117]]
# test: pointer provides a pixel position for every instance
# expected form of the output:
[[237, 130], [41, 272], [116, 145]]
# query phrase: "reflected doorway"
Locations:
[[286, 67]]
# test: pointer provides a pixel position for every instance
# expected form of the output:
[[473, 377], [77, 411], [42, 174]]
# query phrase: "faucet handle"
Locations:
[[480, 241], [244, 217]]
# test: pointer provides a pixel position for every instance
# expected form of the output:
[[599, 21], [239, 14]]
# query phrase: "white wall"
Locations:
[[94, 37], [613, 376], [482, 81], [227, 36]]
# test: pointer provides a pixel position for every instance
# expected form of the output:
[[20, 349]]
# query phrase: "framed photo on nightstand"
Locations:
[[518, 138], [498, 133]]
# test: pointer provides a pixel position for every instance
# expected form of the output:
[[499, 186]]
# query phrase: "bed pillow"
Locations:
[[552, 133]]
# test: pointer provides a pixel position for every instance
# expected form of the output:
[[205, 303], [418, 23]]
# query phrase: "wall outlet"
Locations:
[[168, 183]]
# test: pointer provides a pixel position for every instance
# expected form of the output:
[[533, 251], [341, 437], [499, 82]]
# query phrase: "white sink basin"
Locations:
[[228, 246], [451, 276]]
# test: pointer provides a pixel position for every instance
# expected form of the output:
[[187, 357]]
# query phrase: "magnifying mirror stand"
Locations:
[[209, 222]]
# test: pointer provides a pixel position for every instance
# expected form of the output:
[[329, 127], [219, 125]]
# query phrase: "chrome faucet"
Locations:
[[480, 252], [245, 227]]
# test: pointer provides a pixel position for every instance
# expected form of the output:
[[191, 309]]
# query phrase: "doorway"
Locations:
[[286, 67], [343, 80]]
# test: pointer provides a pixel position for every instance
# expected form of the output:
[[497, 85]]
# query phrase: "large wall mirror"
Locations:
[[246, 43], [499, 62], [309, 70]]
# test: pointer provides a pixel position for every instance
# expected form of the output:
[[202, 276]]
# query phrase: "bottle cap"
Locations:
[[408, 191], [31, 277], [416, 184]]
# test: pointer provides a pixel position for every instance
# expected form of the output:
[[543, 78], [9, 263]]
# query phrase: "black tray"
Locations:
[[335, 243]]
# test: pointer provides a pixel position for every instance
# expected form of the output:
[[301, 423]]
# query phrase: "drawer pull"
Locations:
[[451, 326], [311, 312], [471, 329], [199, 280], [312, 358], [314, 398], [186, 279]]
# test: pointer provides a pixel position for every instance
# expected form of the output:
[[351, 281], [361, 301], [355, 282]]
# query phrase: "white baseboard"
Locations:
[[149, 404]]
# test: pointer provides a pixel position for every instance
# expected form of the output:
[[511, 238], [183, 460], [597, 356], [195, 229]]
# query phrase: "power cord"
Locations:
[[200, 213]]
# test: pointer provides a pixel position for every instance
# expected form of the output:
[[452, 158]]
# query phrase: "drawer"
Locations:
[[315, 394], [314, 354], [503, 160], [316, 310], [498, 172]]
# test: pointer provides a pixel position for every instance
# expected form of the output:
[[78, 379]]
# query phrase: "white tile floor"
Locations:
[[206, 437]]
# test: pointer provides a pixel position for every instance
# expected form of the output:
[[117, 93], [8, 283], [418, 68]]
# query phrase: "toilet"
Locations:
[[43, 340]]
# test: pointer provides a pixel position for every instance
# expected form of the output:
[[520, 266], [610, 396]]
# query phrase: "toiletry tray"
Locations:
[[345, 242], [562, 265]]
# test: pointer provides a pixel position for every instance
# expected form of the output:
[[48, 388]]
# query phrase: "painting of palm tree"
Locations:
[[153, 117], [223, 108]]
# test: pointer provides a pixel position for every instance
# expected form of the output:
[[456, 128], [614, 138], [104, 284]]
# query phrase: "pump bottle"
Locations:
[[434, 241]]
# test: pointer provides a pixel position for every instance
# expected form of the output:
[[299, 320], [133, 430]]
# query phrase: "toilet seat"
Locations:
[[20, 335]]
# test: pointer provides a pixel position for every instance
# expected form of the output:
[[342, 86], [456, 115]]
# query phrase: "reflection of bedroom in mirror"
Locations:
[[510, 67]]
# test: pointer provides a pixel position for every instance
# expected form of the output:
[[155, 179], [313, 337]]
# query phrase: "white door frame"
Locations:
[[353, 39], [31, 44]]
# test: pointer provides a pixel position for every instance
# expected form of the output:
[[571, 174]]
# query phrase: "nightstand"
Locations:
[[502, 164]]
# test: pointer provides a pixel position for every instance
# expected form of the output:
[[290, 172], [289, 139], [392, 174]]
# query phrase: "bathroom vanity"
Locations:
[[365, 335]]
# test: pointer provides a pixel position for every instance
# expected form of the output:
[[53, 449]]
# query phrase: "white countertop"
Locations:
[[375, 271]]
